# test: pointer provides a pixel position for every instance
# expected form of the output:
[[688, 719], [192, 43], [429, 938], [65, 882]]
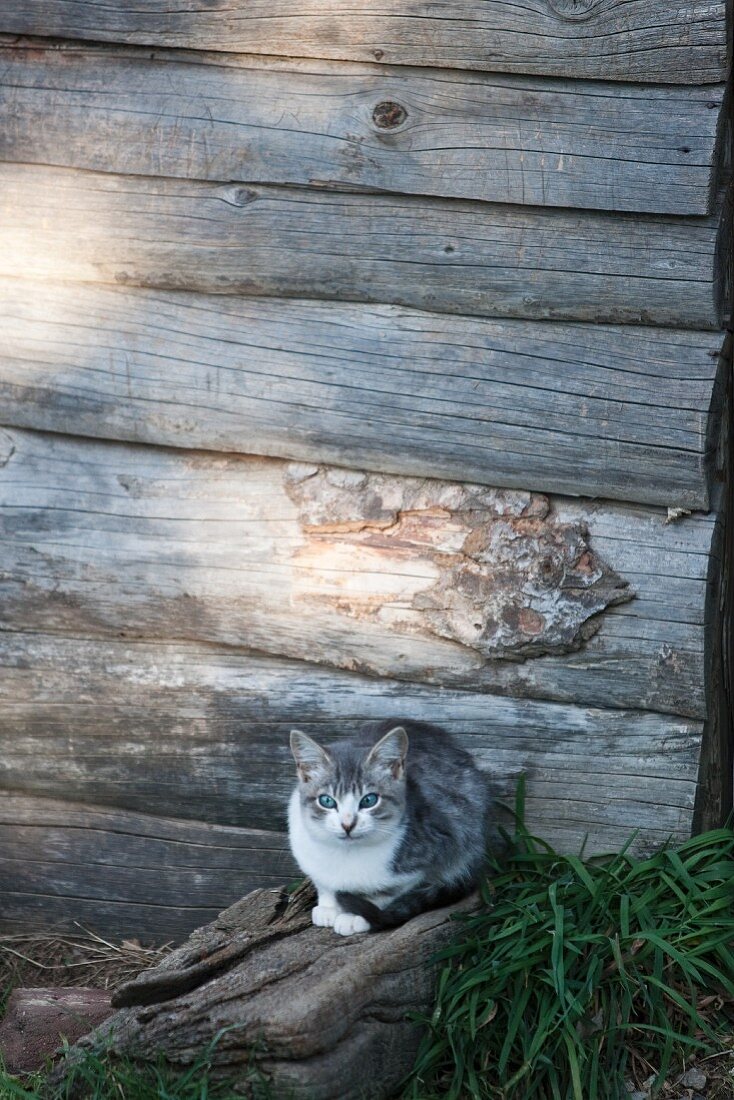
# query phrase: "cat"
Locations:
[[387, 824]]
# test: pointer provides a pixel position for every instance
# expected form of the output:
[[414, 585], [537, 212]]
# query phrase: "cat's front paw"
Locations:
[[323, 916], [347, 924]]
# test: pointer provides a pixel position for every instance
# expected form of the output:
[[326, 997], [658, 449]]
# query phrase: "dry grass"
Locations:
[[41, 960]]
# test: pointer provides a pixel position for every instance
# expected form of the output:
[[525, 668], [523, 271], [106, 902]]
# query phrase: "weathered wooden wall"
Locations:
[[427, 581], [355, 364], [454, 134], [647, 40], [485, 260], [415, 394]]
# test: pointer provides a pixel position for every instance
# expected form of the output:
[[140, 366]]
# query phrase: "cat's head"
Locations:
[[348, 793]]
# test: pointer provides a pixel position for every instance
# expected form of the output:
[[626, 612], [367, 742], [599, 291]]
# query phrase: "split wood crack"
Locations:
[[289, 915]]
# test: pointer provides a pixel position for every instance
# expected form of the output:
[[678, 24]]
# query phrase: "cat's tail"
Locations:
[[403, 908]]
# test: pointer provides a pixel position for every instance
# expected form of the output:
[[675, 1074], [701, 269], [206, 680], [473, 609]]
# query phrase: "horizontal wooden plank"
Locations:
[[123, 873], [524, 140], [420, 580], [200, 732], [646, 40], [450, 256], [619, 412]]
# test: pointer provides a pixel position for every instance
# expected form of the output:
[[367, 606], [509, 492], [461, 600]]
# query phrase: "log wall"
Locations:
[[355, 364]]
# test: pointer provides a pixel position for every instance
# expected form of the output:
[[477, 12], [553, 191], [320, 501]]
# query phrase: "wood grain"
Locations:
[[647, 40], [122, 873], [524, 140], [622, 412], [448, 256], [276, 1004], [119, 539], [202, 733]]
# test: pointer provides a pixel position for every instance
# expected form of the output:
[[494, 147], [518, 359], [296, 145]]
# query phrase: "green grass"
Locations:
[[576, 974], [105, 1079], [101, 1076]]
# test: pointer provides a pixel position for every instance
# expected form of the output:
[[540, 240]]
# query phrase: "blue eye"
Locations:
[[327, 801], [369, 801]]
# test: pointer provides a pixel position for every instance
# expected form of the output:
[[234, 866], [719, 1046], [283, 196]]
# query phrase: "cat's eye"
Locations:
[[369, 801], [327, 802]]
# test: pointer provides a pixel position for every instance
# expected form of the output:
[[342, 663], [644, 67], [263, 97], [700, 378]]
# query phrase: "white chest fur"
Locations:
[[334, 864]]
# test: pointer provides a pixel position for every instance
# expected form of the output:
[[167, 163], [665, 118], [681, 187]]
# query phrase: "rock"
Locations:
[[694, 1078], [36, 1021]]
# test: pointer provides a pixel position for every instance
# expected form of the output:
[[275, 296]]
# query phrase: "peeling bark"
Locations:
[[497, 571]]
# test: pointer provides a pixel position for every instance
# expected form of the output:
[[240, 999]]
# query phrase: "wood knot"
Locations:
[[388, 115], [240, 196], [572, 10]]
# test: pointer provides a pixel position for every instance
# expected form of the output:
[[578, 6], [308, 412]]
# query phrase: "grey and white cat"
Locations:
[[387, 823]]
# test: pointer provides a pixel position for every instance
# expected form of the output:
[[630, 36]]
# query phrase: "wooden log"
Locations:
[[624, 413], [448, 256], [427, 580], [330, 1019], [202, 732], [525, 140], [646, 41], [123, 873]]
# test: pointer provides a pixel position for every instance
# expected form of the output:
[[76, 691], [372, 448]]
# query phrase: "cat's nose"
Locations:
[[348, 824]]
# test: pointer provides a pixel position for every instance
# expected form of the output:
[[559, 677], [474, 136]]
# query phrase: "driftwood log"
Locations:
[[271, 996]]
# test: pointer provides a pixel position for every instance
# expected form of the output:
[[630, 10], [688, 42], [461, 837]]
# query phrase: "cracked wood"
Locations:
[[124, 873], [646, 40], [279, 1005], [584, 144], [444, 255], [618, 412], [201, 732], [111, 538]]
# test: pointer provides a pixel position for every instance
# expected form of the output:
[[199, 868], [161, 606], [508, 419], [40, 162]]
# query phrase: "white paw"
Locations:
[[324, 917], [346, 924]]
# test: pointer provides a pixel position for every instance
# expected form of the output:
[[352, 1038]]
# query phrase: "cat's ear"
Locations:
[[308, 755], [389, 753]]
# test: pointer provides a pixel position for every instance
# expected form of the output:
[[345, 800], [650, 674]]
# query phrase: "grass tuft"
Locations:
[[102, 1075], [575, 975]]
